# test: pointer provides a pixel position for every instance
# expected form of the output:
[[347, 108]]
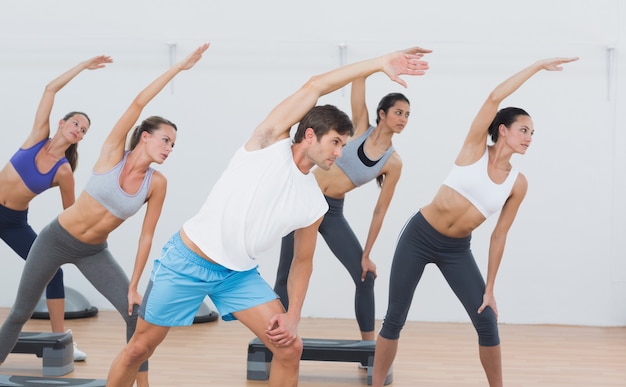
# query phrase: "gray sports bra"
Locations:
[[106, 189], [355, 163]]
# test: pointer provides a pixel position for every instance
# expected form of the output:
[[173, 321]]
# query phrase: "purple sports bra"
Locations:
[[24, 163]]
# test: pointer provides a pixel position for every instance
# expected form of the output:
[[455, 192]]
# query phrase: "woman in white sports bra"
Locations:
[[481, 183], [121, 182]]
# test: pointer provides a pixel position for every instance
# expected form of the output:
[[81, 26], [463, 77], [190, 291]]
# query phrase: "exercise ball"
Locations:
[[76, 306]]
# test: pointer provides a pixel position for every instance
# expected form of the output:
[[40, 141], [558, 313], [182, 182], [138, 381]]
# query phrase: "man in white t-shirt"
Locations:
[[265, 193]]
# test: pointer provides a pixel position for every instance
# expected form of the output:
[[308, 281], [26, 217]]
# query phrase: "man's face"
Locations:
[[325, 151]]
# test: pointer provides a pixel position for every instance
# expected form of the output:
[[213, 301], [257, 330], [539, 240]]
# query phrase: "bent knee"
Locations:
[[486, 327], [367, 283], [291, 352], [488, 335], [137, 352]]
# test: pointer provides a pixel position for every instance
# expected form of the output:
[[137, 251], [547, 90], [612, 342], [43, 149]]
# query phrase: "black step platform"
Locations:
[[260, 357], [34, 381], [56, 350]]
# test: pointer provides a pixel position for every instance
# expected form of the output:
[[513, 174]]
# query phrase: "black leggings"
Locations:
[[346, 247], [17, 233], [420, 244]]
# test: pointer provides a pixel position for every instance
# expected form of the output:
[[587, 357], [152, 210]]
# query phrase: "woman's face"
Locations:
[[519, 135], [74, 128], [397, 116], [160, 143]]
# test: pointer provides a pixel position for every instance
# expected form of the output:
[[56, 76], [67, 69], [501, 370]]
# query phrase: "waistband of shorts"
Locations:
[[185, 252]]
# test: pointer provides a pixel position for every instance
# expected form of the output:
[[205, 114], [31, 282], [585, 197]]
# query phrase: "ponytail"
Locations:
[[71, 153]]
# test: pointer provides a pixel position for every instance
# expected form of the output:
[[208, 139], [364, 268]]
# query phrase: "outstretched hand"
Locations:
[[406, 62], [554, 64], [194, 57], [97, 62]]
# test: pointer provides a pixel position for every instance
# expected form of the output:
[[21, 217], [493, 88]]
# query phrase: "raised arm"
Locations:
[[476, 139], [113, 148], [280, 120], [360, 115], [41, 126]]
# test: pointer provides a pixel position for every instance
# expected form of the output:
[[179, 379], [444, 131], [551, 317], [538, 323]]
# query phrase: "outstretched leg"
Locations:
[[20, 236], [38, 270], [407, 267], [107, 276], [386, 350], [464, 277]]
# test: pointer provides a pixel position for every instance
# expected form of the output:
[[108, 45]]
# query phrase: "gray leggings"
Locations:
[[346, 247], [54, 247], [420, 244]]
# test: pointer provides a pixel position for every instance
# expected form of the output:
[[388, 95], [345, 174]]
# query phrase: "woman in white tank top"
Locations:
[[440, 232]]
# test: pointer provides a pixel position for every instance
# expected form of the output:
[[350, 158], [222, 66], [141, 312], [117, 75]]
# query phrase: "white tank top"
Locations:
[[260, 197], [473, 182]]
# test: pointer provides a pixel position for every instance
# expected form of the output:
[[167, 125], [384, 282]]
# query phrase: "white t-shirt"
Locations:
[[260, 197]]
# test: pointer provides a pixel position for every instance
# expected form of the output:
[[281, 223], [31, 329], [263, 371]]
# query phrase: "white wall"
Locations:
[[564, 262]]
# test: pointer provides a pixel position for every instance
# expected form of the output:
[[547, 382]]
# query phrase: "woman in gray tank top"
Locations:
[[79, 234], [368, 156]]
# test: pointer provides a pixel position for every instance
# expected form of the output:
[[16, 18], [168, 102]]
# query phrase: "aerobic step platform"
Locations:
[[260, 357], [56, 349], [34, 381]]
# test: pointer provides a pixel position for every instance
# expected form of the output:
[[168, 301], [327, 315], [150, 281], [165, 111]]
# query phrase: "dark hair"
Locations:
[[505, 116], [385, 104], [322, 119], [388, 101], [149, 125], [71, 153]]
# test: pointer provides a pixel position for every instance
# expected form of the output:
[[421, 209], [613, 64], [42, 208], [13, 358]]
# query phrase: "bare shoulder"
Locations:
[[393, 164], [64, 174], [395, 159], [520, 186], [158, 181], [158, 177]]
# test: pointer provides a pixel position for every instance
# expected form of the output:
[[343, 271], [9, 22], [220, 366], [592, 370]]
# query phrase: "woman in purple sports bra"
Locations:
[[41, 163], [122, 182], [482, 182]]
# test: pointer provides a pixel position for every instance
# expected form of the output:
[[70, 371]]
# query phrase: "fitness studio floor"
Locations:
[[430, 354]]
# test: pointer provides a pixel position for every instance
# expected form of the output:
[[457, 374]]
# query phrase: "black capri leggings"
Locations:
[[420, 244], [345, 245], [19, 235]]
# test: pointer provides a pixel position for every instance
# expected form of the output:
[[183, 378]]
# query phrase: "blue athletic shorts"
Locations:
[[181, 279]]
